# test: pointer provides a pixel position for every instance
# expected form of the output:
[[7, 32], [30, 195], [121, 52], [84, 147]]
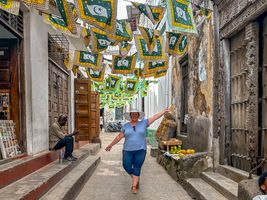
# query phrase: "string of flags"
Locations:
[[96, 23]]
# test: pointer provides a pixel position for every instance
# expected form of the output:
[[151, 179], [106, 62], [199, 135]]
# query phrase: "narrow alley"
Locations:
[[111, 182]]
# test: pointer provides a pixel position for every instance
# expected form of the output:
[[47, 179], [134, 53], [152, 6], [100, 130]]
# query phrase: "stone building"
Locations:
[[219, 87], [240, 109]]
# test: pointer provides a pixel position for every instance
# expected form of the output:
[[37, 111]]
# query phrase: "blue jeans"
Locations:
[[132, 161], [65, 142]]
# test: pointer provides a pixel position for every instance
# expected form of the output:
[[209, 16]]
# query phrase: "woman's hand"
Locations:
[[108, 148], [167, 110]]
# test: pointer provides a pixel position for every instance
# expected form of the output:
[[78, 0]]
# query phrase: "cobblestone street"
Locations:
[[110, 181]]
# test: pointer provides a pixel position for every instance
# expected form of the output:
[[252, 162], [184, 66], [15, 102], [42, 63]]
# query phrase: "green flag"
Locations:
[[123, 31], [158, 53], [10, 6], [125, 47], [158, 13], [112, 83], [150, 36], [96, 75], [131, 86], [100, 41], [144, 9], [123, 65], [180, 16], [101, 14], [42, 5], [183, 45], [66, 22], [172, 42], [151, 67], [88, 59]]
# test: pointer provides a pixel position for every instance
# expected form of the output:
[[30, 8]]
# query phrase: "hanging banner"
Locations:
[[42, 5], [138, 72], [151, 67], [75, 70], [123, 65], [86, 34], [112, 83], [10, 6], [172, 42], [100, 40], [101, 14], [183, 45], [131, 86], [125, 47], [157, 13], [159, 74], [147, 74], [144, 9], [150, 36], [96, 75], [123, 31], [158, 53], [87, 59], [66, 22], [180, 16]]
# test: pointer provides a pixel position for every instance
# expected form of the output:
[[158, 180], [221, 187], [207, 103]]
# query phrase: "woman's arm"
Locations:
[[157, 116], [115, 141]]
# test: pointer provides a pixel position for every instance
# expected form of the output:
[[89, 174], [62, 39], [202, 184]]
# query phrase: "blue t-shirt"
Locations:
[[135, 138]]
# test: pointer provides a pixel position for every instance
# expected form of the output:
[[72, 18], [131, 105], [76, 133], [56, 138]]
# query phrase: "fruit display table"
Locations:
[[182, 166], [171, 143]]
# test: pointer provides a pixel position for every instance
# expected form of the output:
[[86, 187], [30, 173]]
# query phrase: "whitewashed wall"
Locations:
[[36, 82]]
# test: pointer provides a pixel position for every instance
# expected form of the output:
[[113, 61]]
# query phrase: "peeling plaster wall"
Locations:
[[200, 90]]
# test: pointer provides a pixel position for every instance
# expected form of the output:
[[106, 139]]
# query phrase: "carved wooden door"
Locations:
[[58, 92], [239, 103], [87, 112], [263, 93]]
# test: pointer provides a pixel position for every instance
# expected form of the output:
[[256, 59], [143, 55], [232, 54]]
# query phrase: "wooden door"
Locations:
[[263, 94], [86, 110], [58, 92], [239, 140]]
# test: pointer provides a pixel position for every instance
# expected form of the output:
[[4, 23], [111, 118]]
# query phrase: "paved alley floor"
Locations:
[[111, 182]]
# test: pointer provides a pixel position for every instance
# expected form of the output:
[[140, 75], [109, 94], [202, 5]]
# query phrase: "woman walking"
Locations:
[[134, 147]]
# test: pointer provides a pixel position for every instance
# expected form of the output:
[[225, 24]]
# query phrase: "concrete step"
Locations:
[[70, 186], [222, 184], [34, 185], [21, 167], [232, 173], [201, 190]]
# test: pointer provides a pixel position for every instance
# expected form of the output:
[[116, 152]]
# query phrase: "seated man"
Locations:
[[263, 187], [58, 139]]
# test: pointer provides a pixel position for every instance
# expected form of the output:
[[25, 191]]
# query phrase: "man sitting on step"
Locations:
[[58, 139]]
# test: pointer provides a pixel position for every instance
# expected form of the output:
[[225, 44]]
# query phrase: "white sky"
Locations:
[[122, 13]]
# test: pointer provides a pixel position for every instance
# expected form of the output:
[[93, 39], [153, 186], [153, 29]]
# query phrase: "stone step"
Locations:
[[34, 185], [232, 173], [201, 190], [21, 167], [70, 186], [222, 184]]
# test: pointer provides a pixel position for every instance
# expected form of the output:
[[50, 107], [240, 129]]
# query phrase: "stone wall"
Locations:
[[200, 90]]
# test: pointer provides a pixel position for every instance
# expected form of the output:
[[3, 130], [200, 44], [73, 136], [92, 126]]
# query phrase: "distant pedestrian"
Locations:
[[134, 148], [101, 122], [58, 139]]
